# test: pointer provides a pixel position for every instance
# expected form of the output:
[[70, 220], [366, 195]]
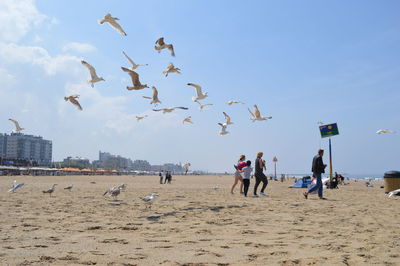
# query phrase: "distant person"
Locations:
[[168, 177], [259, 167], [238, 177], [318, 168], [246, 177], [161, 174]]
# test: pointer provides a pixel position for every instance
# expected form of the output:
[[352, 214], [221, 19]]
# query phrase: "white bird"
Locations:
[[171, 69], [50, 190], [215, 187], [320, 123], [227, 119], [115, 191], [15, 186], [113, 23], [186, 167], [150, 199], [16, 124], [160, 44], [232, 102], [256, 116], [134, 65], [394, 193], [199, 92], [223, 129], [135, 80], [169, 110], [154, 98], [384, 131], [138, 118], [93, 74], [201, 106], [74, 101], [187, 120], [69, 187]]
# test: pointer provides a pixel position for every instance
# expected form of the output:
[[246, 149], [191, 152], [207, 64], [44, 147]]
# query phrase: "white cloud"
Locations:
[[35, 55], [7, 79], [79, 47], [17, 17]]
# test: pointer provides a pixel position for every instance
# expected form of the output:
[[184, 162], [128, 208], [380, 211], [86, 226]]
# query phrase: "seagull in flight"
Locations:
[[150, 199], [169, 110], [50, 190], [74, 101], [15, 186], [171, 69], [384, 131], [154, 99], [92, 71], [232, 102], [201, 106], [227, 119], [223, 129], [134, 65], [160, 45], [256, 116], [135, 80], [113, 23], [187, 120], [138, 118], [16, 124], [199, 92]]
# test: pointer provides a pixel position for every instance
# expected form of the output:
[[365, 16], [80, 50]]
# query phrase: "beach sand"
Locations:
[[192, 224]]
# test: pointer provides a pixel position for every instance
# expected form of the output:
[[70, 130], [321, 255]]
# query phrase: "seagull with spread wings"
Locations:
[[171, 69], [385, 131], [202, 106], [199, 92], [113, 23], [169, 110], [16, 124], [154, 99], [160, 45], [92, 71], [15, 186], [223, 129], [74, 101], [232, 102], [256, 115], [135, 80], [134, 65], [227, 119], [187, 120], [138, 118]]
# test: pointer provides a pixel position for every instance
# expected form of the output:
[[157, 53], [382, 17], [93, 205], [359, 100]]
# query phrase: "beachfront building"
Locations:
[[18, 146], [109, 161]]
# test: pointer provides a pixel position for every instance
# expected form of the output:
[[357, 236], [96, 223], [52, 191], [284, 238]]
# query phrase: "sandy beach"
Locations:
[[193, 224]]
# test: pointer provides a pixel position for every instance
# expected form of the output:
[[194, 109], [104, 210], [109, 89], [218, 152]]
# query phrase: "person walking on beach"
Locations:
[[238, 177], [246, 176], [161, 174], [318, 168], [259, 166]]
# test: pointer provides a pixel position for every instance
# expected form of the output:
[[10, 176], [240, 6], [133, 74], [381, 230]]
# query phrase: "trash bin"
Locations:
[[392, 181]]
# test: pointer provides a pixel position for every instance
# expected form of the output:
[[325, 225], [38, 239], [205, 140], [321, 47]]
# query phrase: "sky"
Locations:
[[301, 62]]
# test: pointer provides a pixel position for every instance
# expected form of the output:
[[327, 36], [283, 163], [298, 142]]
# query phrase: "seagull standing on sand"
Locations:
[[384, 131], [50, 190], [187, 120], [201, 106], [15, 186], [171, 69], [150, 199], [93, 74], [134, 65], [223, 129], [169, 110], [16, 124], [227, 119], [160, 45], [232, 102], [256, 116], [154, 98], [113, 23], [199, 92], [74, 101], [135, 80], [69, 187], [138, 118]]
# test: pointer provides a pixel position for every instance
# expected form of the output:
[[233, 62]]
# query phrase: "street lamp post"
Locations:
[[275, 160]]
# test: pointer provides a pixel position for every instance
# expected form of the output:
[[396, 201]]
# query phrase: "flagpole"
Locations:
[[330, 160]]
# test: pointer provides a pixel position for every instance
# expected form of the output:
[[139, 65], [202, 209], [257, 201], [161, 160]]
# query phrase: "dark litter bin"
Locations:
[[392, 181]]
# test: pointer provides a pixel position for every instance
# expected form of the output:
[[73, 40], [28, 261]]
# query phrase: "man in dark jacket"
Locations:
[[318, 167]]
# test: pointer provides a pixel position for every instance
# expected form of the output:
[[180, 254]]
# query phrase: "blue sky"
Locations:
[[300, 61]]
